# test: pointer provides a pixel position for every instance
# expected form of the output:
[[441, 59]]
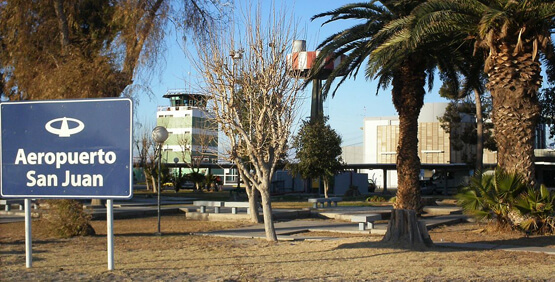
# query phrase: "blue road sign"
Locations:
[[77, 149]]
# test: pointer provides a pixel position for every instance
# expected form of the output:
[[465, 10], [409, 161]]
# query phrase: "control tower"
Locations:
[[193, 133]]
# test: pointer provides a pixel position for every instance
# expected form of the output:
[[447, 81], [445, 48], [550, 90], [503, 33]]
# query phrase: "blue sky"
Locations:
[[354, 100]]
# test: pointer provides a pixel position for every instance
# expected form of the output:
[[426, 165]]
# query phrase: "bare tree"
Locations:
[[146, 154], [253, 99]]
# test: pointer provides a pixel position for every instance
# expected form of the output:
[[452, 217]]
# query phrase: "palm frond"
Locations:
[[359, 10], [548, 59]]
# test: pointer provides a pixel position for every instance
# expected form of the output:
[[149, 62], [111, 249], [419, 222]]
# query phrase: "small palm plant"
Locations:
[[539, 205], [492, 196]]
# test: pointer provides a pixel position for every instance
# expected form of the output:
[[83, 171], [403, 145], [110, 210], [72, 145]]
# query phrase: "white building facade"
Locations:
[[381, 135]]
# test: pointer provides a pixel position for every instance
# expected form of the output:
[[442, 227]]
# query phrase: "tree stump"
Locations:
[[404, 230]]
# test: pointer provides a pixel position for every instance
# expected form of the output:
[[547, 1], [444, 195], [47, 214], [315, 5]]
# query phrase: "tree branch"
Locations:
[[136, 40], [62, 23]]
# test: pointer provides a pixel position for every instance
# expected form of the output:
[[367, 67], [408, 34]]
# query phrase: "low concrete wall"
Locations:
[[346, 179], [226, 215]]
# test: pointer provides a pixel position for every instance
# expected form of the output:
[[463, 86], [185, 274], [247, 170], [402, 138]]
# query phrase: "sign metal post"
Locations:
[[28, 232], [110, 232]]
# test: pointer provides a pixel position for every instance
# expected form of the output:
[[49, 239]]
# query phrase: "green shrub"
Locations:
[[506, 198], [376, 199], [539, 206], [66, 218], [492, 196]]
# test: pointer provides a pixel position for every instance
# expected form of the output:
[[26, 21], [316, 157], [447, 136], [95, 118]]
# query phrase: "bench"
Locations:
[[203, 204], [235, 205], [365, 220], [322, 201], [8, 203], [18, 202]]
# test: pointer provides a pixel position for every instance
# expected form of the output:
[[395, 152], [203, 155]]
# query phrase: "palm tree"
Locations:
[[407, 68], [474, 83], [515, 35]]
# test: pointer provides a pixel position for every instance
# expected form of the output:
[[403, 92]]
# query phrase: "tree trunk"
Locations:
[[326, 186], [263, 187], [252, 195], [516, 108], [408, 98], [267, 211], [147, 179], [253, 203], [404, 230], [62, 23], [408, 164], [479, 136], [515, 121], [154, 184]]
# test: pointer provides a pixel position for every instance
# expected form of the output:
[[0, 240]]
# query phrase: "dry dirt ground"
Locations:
[[178, 255]]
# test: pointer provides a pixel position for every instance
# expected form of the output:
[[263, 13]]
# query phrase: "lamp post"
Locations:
[[176, 161], [235, 56], [178, 180], [159, 135]]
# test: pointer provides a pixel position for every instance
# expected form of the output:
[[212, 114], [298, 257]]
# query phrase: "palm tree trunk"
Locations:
[[516, 108], [404, 222], [479, 135], [408, 162], [408, 98], [515, 118]]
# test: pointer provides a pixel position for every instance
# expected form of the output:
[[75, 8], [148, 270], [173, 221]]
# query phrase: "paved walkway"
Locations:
[[289, 230], [6, 218], [297, 229]]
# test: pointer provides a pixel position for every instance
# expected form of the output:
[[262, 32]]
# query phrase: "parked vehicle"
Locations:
[[187, 185], [452, 180], [427, 187]]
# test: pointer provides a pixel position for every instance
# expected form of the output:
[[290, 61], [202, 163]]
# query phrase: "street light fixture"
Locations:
[[159, 135], [236, 54]]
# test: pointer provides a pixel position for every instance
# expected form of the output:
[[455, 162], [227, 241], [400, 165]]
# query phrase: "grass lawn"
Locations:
[[179, 255]]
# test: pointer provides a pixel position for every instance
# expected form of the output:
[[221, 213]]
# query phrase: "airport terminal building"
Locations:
[[435, 145]]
